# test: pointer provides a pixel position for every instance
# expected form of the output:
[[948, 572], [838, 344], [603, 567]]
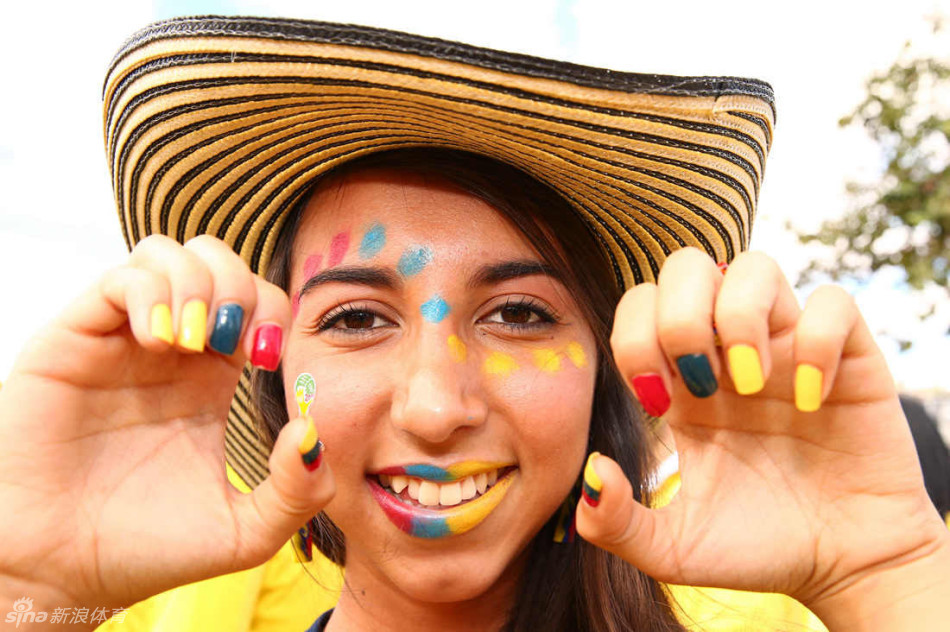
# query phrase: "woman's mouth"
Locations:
[[430, 502]]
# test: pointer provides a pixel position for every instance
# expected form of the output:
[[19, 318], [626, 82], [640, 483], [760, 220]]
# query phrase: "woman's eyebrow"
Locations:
[[372, 276], [498, 272]]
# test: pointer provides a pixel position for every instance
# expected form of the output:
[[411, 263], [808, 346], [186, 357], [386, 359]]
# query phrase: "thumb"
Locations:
[[609, 517], [300, 484]]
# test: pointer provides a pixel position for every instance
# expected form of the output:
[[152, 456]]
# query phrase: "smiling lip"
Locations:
[[454, 472], [427, 522]]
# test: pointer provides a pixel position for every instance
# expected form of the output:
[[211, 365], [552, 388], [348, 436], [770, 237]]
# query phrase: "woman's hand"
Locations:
[[112, 472], [813, 504]]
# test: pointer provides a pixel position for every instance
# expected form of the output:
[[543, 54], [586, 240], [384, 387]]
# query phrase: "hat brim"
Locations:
[[218, 125]]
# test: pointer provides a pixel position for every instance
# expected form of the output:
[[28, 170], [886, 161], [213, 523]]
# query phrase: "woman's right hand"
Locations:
[[112, 472]]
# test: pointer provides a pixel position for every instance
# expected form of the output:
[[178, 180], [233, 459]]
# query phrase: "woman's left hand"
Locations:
[[822, 505]]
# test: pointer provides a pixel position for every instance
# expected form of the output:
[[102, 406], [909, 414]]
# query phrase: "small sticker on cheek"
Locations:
[[457, 349], [373, 241], [547, 360], [305, 388], [576, 353], [499, 363], [435, 309]]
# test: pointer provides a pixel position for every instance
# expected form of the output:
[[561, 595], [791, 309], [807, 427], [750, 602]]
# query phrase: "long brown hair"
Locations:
[[565, 587]]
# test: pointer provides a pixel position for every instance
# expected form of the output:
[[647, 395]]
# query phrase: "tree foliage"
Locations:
[[903, 219]]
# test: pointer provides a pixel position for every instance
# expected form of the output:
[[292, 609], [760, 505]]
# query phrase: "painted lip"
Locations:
[[424, 522], [435, 473]]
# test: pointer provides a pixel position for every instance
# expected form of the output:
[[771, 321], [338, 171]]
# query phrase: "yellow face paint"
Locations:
[[305, 387], [576, 353], [500, 364], [457, 348], [547, 360]]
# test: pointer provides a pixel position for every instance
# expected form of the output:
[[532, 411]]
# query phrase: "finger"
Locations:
[[830, 329], [272, 316], [754, 302], [125, 294], [235, 293], [300, 484], [637, 351], [688, 284], [616, 522], [191, 283]]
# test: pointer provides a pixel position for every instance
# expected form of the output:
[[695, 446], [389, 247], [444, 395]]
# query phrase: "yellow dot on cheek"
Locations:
[[457, 348], [576, 353], [547, 360], [500, 364]]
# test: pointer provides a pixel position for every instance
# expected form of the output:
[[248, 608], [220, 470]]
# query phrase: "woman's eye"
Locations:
[[521, 315], [518, 315], [352, 320]]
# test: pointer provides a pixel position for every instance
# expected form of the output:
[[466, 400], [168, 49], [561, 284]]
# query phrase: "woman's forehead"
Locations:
[[397, 206]]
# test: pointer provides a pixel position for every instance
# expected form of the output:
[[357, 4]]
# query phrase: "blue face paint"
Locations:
[[413, 260], [373, 241], [435, 309]]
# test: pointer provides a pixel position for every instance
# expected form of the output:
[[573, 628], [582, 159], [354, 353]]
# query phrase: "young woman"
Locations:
[[448, 327]]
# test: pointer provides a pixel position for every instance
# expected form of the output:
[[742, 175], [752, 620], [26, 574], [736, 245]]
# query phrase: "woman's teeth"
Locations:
[[431, 494]]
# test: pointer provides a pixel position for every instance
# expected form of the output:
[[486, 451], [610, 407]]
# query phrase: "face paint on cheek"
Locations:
[[457, 349], [338, 247], [413, 260], [576, 353], [435, 309], [499, 363], [547, 360], [373, 241]]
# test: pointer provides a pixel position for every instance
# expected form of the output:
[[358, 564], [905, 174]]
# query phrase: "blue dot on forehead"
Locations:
[[413, 260], [373, 241]]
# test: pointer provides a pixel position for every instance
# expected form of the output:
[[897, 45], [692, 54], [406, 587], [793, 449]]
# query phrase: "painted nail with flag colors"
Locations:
[[311, 448], [592, 484]]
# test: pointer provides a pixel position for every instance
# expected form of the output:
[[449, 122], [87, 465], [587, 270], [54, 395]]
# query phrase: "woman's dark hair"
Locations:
[[565, 587]]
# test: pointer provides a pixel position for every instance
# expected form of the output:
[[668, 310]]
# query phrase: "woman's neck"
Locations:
[[369, 601]]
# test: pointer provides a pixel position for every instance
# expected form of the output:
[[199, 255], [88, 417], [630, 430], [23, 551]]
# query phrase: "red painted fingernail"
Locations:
[[723, 266], [652, 393], [267, 341]]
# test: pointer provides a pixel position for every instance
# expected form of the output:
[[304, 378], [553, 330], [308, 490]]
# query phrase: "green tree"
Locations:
[[903, 219]]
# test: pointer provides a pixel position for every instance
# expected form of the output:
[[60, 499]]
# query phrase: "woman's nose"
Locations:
[[435, 395]]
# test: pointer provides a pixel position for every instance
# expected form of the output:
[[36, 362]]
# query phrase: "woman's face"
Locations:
[[454, 381]]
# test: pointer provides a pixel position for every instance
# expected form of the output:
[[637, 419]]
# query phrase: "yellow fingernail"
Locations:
[[592, 483], [194, 323], [746, 369], [808, 381], [309, 440], [162, 323]]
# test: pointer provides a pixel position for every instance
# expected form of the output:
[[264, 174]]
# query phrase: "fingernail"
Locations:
[[266, 352], [746, 369], [651, 393], [303, 541], [162, 323], [698, 374], [227, 328], [808, 381], [592, 486], [194, 325], [311, 448]]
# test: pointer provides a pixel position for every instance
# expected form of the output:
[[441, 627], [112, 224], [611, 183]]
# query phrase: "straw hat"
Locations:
[[217, 125]]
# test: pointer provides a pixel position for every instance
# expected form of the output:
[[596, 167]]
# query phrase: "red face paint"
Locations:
[[311, 266], [338, 248]]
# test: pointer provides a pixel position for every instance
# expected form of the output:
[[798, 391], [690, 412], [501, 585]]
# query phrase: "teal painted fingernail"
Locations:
[[227, 328], [698, 374]]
